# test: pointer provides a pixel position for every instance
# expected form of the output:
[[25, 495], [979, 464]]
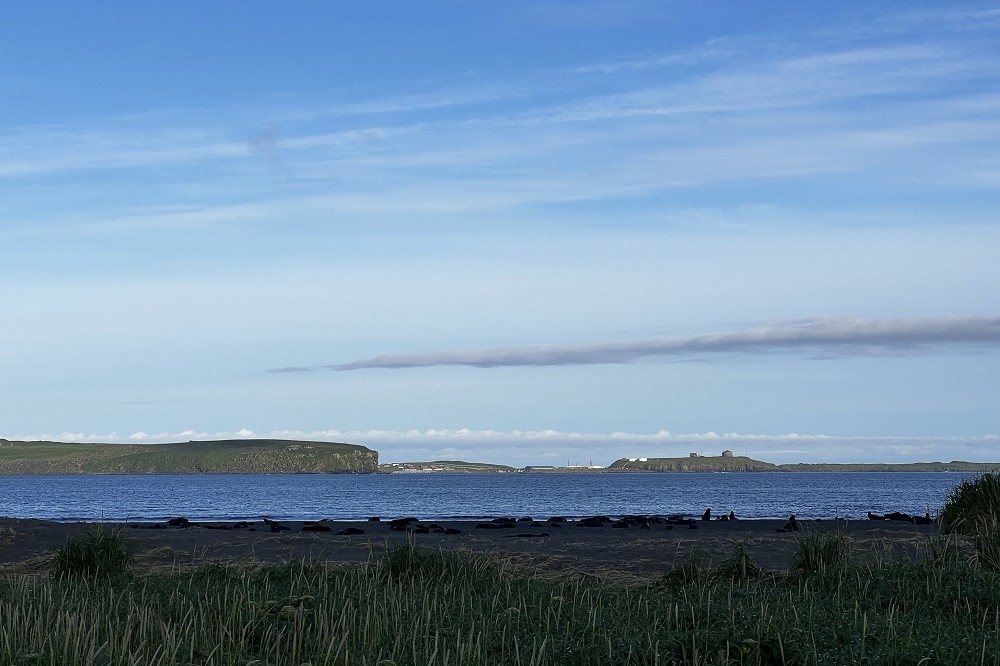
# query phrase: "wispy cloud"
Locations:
[[834, 337]]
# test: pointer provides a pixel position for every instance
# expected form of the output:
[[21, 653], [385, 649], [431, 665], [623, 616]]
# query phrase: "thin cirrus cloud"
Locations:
[[829, 337]]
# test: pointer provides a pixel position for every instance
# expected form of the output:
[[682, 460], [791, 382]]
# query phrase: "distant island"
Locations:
[[235, 456], [691, 463], [444, 466], [730, 463]]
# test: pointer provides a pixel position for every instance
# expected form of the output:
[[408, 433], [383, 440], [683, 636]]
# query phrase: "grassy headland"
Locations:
[[745, 464], [693, 464], [242, 456]]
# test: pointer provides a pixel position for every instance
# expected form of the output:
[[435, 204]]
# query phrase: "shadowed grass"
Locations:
[[973, 505], [419, 606], [102, 553], [821, 554]]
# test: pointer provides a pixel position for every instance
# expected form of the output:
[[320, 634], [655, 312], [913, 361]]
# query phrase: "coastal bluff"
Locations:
[[234, 456], [731, 463], [727, 463]]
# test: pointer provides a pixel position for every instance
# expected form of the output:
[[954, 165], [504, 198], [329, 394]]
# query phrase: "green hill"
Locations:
[[445, 466], [745, 464], [953, 466], [692, 464], [241, 456]]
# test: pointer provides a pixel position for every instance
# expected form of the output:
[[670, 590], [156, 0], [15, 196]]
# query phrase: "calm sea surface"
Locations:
[[471, 496]]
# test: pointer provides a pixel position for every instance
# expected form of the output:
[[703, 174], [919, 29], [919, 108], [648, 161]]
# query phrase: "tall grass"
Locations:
[[425, 607], [821, 553], [100, 553], [973, 505]]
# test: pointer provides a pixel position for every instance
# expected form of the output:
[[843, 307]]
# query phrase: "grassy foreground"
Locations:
[[428, 607]]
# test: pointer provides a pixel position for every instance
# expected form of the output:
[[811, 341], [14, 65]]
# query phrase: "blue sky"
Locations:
[[519, 232]]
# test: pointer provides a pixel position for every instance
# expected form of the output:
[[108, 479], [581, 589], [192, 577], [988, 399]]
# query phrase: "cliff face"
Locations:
[[251, 456]]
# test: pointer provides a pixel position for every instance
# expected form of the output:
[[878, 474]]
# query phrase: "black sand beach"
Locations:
[[628, 554]]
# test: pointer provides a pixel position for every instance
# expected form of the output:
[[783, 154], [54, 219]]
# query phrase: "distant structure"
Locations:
[[692, 455], [727, 454]]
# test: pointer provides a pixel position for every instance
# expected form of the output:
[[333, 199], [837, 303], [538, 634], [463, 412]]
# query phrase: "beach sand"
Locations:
[[626, 555]]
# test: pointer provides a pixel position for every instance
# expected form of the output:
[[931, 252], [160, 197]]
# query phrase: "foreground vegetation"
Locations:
[[973, 506], [416, 606], [428, 607]]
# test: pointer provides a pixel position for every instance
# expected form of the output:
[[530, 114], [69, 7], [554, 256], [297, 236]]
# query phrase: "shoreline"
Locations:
[[626, 554]]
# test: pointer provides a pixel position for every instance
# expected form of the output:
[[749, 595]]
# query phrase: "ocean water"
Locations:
[[470, 496]]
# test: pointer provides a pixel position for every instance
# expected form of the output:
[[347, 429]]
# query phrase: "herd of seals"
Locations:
[[414, 525], [905, 517]]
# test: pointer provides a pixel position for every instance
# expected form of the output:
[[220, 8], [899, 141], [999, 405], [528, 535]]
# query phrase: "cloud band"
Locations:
[[834, 337]]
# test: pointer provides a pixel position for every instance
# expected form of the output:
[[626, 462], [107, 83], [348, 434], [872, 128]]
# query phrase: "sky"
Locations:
[[528, 233]]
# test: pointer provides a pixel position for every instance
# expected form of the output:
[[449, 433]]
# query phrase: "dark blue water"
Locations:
[[471, 496]]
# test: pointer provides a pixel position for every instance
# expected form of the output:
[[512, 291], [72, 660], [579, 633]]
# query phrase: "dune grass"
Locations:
[[973, 506], [418, 606], [102, 552]]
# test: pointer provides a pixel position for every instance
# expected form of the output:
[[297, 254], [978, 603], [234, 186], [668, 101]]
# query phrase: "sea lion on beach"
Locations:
[[402, 522], [791, 525], [350, 531], [597, 521], [276, 526], [316, 527]]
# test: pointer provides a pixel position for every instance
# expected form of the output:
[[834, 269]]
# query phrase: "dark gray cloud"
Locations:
[[829, 337]]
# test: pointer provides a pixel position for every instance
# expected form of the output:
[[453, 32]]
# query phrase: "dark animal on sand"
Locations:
[[402, 522], [597, 521], [316, 527], [791, 525], [875, 516], [275, 525], [180, 521]]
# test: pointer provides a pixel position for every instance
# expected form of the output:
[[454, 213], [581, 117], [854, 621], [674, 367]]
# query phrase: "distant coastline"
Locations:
[[723, 463], [276, 456]]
